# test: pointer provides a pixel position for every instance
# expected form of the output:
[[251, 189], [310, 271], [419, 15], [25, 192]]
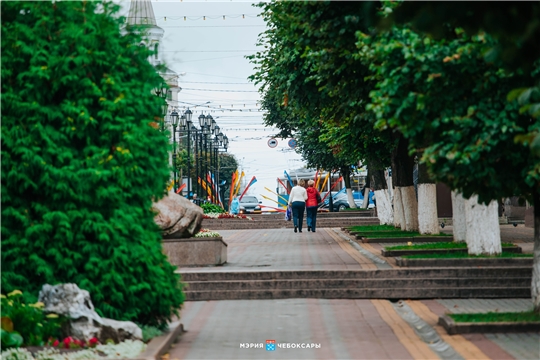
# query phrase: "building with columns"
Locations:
[[141, 13]]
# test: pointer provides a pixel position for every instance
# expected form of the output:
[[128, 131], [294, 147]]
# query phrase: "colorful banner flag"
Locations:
[[233, 182], [289, 178], [332, 188], [325, 180], [237, 189], [251, 182], [267, 198], [281, 197], [181, 188], [285, 186]]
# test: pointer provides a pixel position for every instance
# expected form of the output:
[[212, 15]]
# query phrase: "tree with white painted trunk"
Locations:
[[428, 221], [483, 235], [405, 203], [459, 223], [385, 212]]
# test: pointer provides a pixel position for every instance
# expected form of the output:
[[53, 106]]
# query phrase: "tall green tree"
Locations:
[[313, 86], [81, 161], [516, 27]]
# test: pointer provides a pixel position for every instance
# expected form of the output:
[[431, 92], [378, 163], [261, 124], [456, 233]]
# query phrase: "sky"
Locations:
[[208, 52]]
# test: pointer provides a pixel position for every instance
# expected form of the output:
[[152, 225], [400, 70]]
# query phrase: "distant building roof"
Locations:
[[141, 13]]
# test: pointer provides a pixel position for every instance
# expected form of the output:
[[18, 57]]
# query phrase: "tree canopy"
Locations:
[[81, 161]]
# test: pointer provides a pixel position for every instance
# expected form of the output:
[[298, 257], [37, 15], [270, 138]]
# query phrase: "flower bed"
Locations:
[[203, 233], [126, 349], [225, 216]]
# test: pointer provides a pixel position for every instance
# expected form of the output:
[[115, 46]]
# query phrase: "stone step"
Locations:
[[237, 285], [365, 293], [320, 215], [235, 224], [407, 273]]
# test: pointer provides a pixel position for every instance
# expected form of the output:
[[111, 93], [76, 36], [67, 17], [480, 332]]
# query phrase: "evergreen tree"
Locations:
[[81, 160]]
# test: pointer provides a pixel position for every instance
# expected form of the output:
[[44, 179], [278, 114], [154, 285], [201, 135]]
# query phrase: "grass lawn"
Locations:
[[397, 234], [372, 228], [381, 231], [496, 317], [437, 246], [463, 255]]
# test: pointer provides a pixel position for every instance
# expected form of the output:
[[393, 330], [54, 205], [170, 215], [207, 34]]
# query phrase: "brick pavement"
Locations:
[[345, 329]]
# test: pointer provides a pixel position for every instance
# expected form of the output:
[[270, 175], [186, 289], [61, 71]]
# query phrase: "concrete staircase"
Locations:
[[410, 283], [277, 221]]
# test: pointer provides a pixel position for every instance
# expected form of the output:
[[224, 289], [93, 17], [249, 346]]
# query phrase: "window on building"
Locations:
[[156, 47]]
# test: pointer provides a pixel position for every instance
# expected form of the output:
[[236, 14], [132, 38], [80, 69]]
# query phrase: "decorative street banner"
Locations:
[[251, 182], [272, 143], [288, 178]]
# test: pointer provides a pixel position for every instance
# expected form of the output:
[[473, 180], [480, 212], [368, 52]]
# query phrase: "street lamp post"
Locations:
[[161, 92], [174, 118], [202, 124], [187, 116]]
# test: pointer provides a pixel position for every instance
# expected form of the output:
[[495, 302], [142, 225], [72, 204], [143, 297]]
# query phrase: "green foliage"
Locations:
[[227, 166], [527, 316], [314, 87], [82, 161], [212, 208], [452, 107], [150, 332], [26, 324], [464, 254]]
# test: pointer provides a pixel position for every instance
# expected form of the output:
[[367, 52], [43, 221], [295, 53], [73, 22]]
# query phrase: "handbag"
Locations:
[[319, 200], [288, 213]]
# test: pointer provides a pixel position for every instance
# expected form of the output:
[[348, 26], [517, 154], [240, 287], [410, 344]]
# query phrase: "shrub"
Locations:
[[212, 208], [82, 160], [26, 324]]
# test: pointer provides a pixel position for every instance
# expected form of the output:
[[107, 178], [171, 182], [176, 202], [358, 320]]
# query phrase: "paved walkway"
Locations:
[[335, 329]]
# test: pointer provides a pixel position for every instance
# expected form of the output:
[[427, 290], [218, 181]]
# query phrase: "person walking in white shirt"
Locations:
[[297, 202]]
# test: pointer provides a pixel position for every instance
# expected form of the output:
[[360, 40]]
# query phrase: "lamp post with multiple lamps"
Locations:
[[161, 92], [174, 121], [205, 150]]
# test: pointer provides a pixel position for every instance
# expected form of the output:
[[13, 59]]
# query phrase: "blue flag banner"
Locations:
[[288, 177]]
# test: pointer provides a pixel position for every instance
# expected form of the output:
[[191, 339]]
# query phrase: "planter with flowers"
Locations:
[[225, 216], [206, 248], [27, 332]]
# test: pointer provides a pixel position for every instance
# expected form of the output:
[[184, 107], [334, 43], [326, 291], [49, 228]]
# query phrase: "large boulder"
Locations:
[[177, 216], [85, 323]]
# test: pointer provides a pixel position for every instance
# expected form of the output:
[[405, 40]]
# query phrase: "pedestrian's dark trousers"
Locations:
[[298, 208], [311, 219]]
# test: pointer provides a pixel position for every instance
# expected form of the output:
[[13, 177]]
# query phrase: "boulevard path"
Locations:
[[336, 328]]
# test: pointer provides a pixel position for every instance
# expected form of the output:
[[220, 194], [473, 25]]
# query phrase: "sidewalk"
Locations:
[[337, 329]]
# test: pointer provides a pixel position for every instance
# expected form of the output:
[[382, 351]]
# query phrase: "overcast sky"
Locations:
[[208, 52]]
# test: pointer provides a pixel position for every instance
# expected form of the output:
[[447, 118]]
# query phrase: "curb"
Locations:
[[160, 345], [391, 253], [453, 328], [405, 239], [466, 262]]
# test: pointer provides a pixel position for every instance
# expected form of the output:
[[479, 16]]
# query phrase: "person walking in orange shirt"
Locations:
[[312, 204]]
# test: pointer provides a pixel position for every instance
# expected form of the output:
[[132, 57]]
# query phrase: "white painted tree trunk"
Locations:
[[350, 199], [398, 208], [365, 203], [428, 221], [385, 212], [410, 208], [535, 284], [483, 233], [459, 222]]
